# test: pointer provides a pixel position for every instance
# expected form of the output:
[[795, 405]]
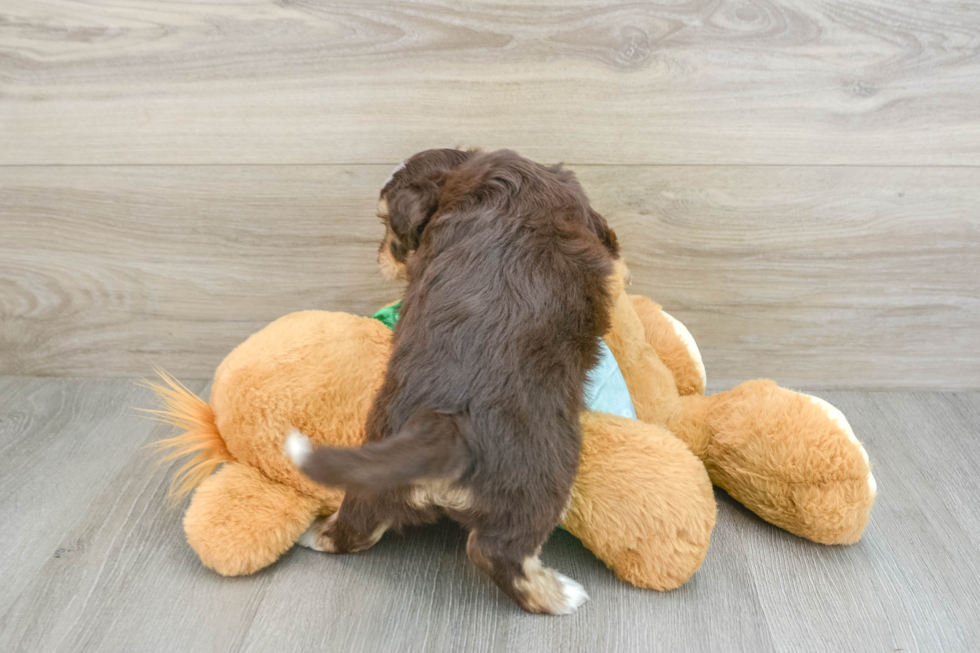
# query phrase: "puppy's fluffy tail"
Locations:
[[431, 445], [188, 412]]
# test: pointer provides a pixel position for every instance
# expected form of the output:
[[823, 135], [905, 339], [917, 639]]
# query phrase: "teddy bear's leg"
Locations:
[[674, 344], [239, 521], [642, 502], [792, 459]]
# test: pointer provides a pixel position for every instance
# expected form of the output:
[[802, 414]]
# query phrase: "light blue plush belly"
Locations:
[[605, 387]]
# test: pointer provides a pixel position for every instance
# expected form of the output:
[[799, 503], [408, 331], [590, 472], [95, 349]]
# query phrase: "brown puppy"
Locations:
[[477, 418]]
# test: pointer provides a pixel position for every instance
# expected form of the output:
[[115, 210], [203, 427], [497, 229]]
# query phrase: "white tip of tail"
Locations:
[[298, 447]]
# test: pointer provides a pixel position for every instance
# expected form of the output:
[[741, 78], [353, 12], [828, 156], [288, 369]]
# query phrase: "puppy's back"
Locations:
[[507, 296]]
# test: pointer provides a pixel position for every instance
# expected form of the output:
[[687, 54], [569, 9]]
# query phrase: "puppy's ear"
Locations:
[[413, 192], [598, 226], [410, 207]]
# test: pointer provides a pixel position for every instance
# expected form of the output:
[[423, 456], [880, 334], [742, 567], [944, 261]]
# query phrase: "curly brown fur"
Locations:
[[507, 297]]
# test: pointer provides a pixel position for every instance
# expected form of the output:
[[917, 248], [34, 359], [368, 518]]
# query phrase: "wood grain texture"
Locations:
[[119, 576], [105, 270], [697, 81], [815, 276], [827, 276], [912, 576], [61, 442]]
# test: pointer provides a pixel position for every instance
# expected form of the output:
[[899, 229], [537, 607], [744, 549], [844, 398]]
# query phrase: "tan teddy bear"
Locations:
[[642, 501]]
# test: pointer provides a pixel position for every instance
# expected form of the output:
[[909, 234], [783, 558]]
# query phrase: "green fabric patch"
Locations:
[[389, 315]]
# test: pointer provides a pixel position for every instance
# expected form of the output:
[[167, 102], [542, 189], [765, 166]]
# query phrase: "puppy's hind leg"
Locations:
[[357, 525], [362, 519], [518, 572]]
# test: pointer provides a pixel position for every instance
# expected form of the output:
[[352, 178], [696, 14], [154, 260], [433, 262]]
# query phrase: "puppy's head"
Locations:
[[408, 200], [594, 222]]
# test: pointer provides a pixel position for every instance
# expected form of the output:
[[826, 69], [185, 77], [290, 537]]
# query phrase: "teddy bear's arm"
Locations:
[[792, 459], [789, 457], [674, 344]]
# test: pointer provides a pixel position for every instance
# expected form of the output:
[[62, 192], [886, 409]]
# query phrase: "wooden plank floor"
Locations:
[[91, 560]]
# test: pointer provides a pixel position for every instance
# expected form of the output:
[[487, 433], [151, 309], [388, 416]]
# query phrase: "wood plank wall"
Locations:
[[797, 181]]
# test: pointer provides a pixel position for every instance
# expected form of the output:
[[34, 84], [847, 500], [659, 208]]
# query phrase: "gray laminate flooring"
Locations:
[[91, 560]]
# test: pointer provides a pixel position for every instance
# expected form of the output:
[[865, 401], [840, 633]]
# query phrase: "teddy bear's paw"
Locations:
[[692, 347], [838, 418]]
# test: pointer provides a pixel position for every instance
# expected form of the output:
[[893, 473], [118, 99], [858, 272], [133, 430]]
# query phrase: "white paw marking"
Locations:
[[311, 540], [298, 447], [692, 346], [575, 594], [308, 538], [393, 173], [838, 418]]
